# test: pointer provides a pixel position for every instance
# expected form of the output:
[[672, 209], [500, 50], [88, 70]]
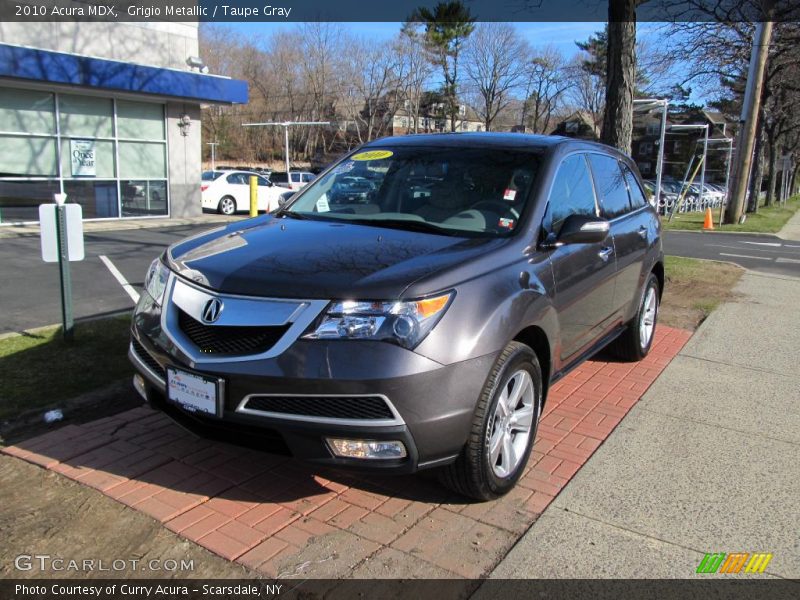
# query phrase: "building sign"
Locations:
[[82, 155]]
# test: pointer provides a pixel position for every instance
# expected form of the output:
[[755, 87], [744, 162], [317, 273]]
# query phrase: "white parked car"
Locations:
[[228, 192], [299, 179]]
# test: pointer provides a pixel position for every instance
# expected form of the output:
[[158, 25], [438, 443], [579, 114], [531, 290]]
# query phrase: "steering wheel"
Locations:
[[495, 204]]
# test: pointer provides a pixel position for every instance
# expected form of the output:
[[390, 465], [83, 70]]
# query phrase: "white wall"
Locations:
[[155, 44]]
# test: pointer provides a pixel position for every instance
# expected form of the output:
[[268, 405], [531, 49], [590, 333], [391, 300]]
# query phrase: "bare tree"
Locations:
[[368, 86], [546, 82], [494, 64], [415, 71]]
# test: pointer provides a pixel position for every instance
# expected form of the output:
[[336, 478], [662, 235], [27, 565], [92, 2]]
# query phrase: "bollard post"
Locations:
[[253, 196]]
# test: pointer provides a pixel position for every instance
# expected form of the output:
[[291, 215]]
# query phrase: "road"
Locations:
[[29, 296], [762, 253]]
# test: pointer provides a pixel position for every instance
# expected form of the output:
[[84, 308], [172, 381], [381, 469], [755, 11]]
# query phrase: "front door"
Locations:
[[583, 273]]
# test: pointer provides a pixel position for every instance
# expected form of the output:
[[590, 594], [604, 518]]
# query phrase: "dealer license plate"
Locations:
[[195, 393]]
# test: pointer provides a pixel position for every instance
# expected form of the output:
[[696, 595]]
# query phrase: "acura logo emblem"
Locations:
[[212, 310]]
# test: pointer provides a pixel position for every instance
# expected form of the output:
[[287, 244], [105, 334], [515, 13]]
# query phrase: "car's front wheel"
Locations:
[[503, 428], [227, 205]]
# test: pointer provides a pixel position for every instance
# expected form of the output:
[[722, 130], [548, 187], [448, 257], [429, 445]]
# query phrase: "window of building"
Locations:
[[107, 155], [611, 187], [645, 148]]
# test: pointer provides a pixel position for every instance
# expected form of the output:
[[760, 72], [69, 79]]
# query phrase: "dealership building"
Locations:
[[108, 113]]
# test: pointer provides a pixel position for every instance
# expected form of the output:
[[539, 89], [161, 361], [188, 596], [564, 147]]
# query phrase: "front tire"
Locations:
[[503, 428], [635, 343], [227, 205]]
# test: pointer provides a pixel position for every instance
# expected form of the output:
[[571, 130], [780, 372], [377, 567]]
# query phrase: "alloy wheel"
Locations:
[[514, 417]]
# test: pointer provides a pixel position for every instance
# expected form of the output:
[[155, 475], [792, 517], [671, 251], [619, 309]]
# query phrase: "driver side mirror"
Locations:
[[583, 229]]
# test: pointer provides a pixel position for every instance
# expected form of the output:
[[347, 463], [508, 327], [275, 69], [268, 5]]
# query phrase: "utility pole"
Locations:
[[286, 125], [749, 119]]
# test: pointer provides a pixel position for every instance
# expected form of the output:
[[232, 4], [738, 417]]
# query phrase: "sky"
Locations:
[[562, 35]]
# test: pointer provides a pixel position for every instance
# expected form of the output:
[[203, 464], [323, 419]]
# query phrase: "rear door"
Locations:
[[583, 273], [625, 208]]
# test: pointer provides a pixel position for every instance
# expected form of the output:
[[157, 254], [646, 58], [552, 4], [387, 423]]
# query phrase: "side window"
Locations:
[[611, 188], [307, 177], [236, 178], [572, 192], [263, 182], [638, 199]]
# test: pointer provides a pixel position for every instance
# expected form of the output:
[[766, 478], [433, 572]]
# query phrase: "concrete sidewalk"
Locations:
[[706, 462], [791, 231]]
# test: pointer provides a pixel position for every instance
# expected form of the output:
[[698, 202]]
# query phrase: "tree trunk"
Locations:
[[621, 75]]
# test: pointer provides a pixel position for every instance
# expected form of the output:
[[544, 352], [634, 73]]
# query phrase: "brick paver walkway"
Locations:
[[264, 510]]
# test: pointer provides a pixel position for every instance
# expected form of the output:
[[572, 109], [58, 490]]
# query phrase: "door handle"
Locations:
[[604, 253], [643, 232]]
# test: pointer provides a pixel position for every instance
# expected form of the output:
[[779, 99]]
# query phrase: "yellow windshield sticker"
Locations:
[[372, 155]]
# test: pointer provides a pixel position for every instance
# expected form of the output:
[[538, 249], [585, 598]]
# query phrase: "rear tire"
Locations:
[[635, 343], [503, 428], [227, 205]]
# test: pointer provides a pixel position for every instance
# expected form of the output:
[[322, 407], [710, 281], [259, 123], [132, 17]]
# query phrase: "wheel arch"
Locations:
[[536, 339], [658, 271]]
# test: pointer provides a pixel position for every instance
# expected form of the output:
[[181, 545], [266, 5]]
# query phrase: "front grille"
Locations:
[[148, 359], [222, 339], [364, 408]]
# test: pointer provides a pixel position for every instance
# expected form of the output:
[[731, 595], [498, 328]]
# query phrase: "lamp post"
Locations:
[[213, 154], [286, 125]]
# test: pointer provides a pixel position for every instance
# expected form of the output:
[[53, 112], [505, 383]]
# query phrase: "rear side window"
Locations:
[[638, 199], [611, 188], [572, 192], [236, 178], [307, 177]]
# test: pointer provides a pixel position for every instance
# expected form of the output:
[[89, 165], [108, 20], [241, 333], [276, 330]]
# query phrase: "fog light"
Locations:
[[367, 449], [138, 385]]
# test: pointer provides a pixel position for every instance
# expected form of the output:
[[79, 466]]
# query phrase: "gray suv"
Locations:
[[414, 327]]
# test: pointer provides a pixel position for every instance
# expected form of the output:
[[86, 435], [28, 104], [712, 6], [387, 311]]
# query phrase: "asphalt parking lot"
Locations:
[[33, 299]]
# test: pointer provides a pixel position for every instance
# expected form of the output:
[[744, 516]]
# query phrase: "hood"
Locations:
[[287, 258]]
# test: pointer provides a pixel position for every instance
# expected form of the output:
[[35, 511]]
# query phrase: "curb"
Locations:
[[34, 417], [16, 231]]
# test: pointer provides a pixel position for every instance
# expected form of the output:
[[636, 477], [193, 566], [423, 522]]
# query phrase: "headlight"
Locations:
[[156, 280], [404, 323]]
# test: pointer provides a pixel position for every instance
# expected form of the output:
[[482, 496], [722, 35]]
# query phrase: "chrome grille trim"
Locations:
[[396, 420], [238, 311]]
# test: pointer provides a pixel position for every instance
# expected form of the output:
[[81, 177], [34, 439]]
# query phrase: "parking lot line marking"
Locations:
[[121, 279], [780, 259], [745, 256]]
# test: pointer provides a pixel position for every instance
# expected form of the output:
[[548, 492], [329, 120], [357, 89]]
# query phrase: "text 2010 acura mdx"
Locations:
[[418, 324]]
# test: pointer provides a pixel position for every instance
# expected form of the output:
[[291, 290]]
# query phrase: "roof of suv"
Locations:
[[477, 139]]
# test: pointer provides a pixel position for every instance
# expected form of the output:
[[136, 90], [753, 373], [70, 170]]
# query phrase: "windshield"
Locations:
[[473, 192]]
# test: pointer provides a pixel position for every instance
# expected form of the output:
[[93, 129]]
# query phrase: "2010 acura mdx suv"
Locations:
[[418, 325]]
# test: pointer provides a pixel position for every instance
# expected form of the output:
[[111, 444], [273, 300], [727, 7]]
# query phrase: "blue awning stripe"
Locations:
[[61, 68]]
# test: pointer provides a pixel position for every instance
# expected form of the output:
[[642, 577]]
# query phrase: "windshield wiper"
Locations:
[[410, 225], [293, 215]]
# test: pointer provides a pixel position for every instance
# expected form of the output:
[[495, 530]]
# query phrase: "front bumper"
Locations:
[[432, 404]]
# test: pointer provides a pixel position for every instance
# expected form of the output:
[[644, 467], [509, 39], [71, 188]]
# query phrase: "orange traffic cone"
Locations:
[[708, 223]]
